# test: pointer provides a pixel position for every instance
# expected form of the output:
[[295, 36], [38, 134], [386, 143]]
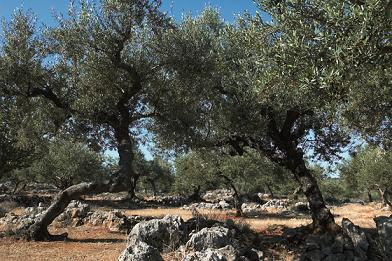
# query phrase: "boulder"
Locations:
[[214, 237], [159, 233], [116, 221], [77, 209], [384, 228], [227, 253], [197, 223], [96, 218], [140, 251], [355, 233]]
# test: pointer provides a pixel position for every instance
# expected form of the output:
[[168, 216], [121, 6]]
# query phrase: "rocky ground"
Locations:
[[103, 228]]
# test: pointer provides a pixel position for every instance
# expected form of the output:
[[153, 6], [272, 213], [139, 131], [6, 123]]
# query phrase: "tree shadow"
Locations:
[[283, 215], [96, 240]]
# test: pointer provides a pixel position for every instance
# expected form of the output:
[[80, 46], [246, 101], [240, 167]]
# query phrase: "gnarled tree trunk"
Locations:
[[369, 193], [270, 190], [126, 156], [122, 181], [39, 230], [323, 220], [287, 139], [384, 196], [237, 197], [195, 196]]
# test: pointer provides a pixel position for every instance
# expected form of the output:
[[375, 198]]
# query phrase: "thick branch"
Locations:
[[38, 231]]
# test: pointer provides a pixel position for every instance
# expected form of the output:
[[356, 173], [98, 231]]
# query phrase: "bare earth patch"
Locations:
[[86, 243], [95, 243]]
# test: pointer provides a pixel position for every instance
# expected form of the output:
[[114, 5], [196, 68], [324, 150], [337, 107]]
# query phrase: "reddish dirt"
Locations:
[[85, 243]]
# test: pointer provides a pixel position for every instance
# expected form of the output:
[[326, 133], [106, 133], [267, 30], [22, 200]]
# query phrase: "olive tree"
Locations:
[[245, 175], [370, 168], [157, 176], [65, 163], [90, 75], [286, 88]]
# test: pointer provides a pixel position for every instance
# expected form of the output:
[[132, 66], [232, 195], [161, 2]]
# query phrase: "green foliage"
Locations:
[[157, 177], [250, 173], [340, 51], [65, 163], [370, 168]]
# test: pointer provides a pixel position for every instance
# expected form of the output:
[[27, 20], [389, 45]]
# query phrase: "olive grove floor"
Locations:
[[96, 243]]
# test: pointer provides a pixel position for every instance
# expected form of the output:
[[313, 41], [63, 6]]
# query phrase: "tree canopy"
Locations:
[[299, 84]]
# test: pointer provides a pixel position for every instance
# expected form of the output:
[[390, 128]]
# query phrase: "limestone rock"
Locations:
[[73, 214], [140, 252], [214, 237], [355, 233], [159, 233], [215, 196], [252, 209], [227, 253], [203, 205], [384, 228]]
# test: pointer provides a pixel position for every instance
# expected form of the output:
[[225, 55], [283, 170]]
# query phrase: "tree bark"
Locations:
[[270, 190], [287, 139], [237, 197], [195, 195], [323, 220], [39, 230], [369, 195], [126, 156], [122, 181], [384, 196], [153, 187]]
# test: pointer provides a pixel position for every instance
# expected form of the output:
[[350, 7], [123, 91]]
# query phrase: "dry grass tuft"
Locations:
[[361, 215]]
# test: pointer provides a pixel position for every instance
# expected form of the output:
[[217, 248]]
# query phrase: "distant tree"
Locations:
[[157, 177], [370, 168], [246, 174], [194, 174], [66, 163]]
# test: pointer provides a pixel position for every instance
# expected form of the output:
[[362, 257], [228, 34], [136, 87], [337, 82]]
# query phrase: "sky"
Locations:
[[44, 11]]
